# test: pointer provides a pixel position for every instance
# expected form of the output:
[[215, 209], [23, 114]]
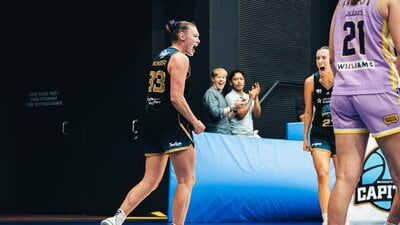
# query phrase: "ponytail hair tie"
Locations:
[[174, 23]]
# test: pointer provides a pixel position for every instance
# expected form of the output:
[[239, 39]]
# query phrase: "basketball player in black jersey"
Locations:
[[317, 95], [167, 125]]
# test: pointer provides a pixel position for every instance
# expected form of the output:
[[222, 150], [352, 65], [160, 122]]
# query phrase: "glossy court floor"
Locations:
[[95, 220]]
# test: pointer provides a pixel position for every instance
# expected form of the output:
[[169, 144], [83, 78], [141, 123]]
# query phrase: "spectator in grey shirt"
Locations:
[[217, 110]]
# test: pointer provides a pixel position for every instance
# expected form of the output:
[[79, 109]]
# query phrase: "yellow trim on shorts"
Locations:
[[184, 129], [169, 151], [323, 150], [177, 149], [183, 148], [386, 133], [350, 131], [320, 149], [154, 154]]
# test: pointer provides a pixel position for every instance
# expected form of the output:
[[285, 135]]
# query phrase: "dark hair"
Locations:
[[324, 47], [232, 73], [175, 27]]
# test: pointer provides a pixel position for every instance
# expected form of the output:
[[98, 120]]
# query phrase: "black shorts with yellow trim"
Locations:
[[322, 138], [167, 137]]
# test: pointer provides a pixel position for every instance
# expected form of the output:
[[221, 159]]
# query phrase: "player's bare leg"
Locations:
[[350, 149], [321, 161], [154, 170], [391, 149], [183, 163]]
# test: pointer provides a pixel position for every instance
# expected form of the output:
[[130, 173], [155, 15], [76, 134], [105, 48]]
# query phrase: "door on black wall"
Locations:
[[47, 155], [77, 94]]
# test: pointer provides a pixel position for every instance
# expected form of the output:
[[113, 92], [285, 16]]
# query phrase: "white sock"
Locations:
[[324, 217], [387, 223], [120, 216]]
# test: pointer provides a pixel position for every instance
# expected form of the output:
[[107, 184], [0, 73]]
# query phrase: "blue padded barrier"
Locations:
[[295, 130], [241, 179]]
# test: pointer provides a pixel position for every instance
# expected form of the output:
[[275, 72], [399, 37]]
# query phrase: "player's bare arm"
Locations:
[[178, 67]]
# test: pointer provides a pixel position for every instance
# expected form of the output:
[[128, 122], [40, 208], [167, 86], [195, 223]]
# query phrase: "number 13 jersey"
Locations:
[[159, 108]]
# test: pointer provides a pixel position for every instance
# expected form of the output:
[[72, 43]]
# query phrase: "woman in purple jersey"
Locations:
[[365, 100], [167, 137]]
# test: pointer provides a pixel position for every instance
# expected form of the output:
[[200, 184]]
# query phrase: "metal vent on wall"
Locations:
[[275, 45]]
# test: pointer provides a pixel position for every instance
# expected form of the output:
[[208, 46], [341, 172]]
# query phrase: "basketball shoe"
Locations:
[[118, 219]]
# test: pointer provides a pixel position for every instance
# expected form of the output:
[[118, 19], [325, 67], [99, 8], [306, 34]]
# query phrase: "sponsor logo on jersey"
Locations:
[[153, 101], [163, 53], [356, 65], [354, 13], [160, 63]]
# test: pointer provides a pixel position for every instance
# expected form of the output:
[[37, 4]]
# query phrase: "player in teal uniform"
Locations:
[[317, 96]]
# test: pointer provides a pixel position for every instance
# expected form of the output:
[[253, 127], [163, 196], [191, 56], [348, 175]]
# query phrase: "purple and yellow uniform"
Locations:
[[165, 130], [366, 97]]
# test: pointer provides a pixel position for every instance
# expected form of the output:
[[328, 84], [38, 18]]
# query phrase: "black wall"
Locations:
[[76, 85], [76, 153]]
